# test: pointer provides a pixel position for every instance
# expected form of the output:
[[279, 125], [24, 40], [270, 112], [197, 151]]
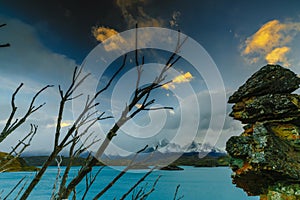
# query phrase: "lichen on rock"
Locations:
[[265, 158], [270, 79]]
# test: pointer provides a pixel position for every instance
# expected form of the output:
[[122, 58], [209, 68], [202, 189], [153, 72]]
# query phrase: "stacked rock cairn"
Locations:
[[265, 158]]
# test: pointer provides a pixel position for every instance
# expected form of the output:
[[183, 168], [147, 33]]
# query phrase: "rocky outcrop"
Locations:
[[265, 158], [270, 79]]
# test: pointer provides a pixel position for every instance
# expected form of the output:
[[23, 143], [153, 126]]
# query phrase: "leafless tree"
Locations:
[[141, 95], [75, 150], [13, 123], [61, 140], [18, 149], [82, 124]]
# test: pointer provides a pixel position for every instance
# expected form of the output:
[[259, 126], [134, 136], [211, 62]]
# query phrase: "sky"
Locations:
[[49, 38]]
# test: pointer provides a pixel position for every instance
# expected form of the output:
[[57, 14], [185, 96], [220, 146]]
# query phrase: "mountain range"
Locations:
[[166, 153], [164, 146]]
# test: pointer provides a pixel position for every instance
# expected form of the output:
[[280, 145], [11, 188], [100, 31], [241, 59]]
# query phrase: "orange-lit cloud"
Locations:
[[63, 124], [138, 105], [103, 33], [271, 42], [175, 17], [133, 12], [182, 78], [265, 38], [278, 55]]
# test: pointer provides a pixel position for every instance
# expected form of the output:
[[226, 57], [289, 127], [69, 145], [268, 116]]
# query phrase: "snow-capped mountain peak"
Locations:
[[164, 146]]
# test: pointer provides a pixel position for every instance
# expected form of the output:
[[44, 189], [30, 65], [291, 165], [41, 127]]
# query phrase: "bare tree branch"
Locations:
[[142, 93], [90, 181], [21, 189], [14, 109], [113, 77], [65, 97], [139, 182], [56, 182], [81, 119], [75, 154], [109, 185], [9, 126], [7, 44], [176, 192], [144, 196], [160, 108], [30, 135]]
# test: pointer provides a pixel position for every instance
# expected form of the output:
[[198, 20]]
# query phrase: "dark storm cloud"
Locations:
[[65, 26], [134, 12], [28, 56]]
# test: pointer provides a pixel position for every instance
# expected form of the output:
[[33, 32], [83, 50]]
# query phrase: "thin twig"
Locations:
[[90, 181], [139, 182], [56, 183], [9, 126], [23, 142], [21, 189], [176, 192], [110, 184], [151, 190], [15, 187]]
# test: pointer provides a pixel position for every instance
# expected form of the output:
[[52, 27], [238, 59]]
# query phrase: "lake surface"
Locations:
[[195, 184]]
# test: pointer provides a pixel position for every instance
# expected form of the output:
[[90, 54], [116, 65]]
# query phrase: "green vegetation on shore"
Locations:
[[9, 163], [191, 159], [39, 160], [207, 161]]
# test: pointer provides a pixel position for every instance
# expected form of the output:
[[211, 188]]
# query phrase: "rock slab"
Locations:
[[265, 158]]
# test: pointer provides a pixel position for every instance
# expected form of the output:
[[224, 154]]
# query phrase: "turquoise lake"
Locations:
[[195, 184]]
